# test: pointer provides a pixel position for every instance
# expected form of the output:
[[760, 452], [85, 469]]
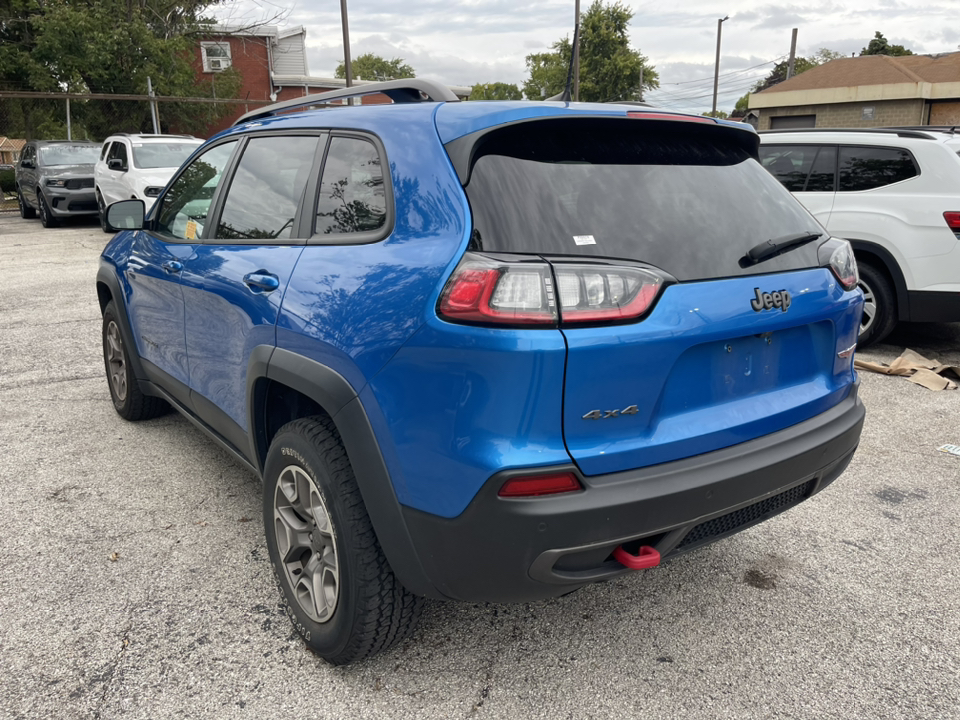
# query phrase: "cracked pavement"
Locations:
[[134, 581]]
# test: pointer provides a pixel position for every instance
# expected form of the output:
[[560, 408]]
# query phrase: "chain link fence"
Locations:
[[28, 116]]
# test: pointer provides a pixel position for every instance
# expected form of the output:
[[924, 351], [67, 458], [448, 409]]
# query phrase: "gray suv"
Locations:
[[55, 179]]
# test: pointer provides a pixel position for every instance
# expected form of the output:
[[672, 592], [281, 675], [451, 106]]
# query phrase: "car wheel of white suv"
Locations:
[[879, 306]]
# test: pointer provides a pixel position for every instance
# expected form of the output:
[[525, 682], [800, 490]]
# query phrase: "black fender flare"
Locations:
[[338, 398], [107, 275], [890, 264]]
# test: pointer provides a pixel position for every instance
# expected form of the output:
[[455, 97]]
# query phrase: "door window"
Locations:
[[823, 174], [118, 152], [185, 205], [267, 188], [866, 168], [104, 150], [352, 198], [790, 164]]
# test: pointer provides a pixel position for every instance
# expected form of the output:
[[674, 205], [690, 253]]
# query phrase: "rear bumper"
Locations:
[[514, 550], [934, 306]]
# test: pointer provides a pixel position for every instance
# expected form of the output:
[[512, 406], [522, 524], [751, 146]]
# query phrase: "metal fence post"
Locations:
[[69, 128], [154, 116]]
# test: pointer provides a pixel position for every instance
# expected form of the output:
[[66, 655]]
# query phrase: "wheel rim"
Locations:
[[116, 367], [306, 544], [869, 308]]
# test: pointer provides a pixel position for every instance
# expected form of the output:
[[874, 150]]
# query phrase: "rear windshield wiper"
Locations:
[[771, 248]]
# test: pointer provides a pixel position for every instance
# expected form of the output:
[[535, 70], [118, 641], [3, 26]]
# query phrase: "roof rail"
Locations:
[[410, 90], [899, 132]]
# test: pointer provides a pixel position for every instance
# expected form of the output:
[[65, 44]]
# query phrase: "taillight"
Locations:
[[486, 290], [536, 485], [953, 222], [598, 293], [838, 255]]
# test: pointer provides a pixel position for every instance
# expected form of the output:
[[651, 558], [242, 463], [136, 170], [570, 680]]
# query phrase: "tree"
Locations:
[[609, 68], [716, 113], [110, 46], [825, 55], [374, 67], [495, 91], [881, 46]]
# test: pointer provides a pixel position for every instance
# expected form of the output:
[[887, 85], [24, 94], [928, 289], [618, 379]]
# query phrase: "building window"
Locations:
[[216, 56]]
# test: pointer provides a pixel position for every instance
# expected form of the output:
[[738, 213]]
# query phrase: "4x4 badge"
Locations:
[[765, 301], [601, 415]]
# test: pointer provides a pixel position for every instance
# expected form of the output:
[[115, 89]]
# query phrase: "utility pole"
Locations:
[[716, 69], [153, 109], [576, 54], [348, 71], [641, 83], [793, 54]]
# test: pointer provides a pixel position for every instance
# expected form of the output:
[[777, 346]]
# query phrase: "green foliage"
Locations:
[[609, 68], [824, 55], [374, 67], [717, 114], [495, 91], [7, 182], [112, 47], [881, 46], [743, 104]]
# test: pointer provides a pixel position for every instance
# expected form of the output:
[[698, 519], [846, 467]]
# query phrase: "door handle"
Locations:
[[172, 266], [261, 281]]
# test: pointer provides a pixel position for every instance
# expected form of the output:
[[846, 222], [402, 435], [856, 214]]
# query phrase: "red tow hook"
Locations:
[[647, 557]]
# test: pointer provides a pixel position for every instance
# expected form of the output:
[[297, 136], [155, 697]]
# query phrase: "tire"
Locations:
[[102, 212], [880, 306], [128, 400], [335, 583], [26, 212], [46, 218]]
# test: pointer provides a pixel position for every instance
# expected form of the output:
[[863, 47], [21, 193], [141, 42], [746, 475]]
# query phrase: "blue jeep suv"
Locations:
[[485, 351]]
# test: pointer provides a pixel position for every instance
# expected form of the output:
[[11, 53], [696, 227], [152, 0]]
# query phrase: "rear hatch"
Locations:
[[677, 342]]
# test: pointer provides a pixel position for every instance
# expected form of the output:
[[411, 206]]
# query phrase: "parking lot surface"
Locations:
[[135, 583]]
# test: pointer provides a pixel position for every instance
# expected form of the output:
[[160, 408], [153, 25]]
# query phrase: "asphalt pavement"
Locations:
[[135, 583]]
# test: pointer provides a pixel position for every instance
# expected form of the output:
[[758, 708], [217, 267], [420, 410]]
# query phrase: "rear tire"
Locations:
[[26, 212], [46, 217], [335, 583], [128, 400], [880, 305]]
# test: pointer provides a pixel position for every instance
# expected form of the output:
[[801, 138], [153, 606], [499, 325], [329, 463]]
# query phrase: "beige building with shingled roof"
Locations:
[[866, 91]]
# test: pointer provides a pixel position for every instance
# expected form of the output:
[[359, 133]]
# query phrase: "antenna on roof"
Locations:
[[566, 95]]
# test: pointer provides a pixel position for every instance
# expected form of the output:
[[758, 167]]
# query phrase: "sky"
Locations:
[[463, 42]]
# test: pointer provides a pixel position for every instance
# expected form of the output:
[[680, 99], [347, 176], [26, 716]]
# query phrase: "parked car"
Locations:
[[893, 193], [139, 166], [55, 179], [485, 351]]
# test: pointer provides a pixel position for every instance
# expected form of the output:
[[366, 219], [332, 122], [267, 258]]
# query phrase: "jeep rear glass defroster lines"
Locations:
[[520, 291]]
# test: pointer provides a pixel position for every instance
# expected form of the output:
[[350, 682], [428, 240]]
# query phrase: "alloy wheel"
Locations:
[[115, 362], [869, 308], [306, 543]]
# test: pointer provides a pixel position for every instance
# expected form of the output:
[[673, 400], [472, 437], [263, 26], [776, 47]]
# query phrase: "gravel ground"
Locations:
[[134, 580]]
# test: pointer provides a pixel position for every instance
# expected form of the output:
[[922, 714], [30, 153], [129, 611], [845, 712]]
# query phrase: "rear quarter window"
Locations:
[[867, 168]]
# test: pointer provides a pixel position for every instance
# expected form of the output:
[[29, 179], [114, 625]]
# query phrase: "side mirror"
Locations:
[[116, 164], [125, 215]]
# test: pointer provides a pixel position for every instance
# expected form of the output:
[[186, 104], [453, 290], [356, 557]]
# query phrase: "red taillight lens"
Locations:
[[540, 485], [599, 293], [953, 222], [844, 265], [483, 290]]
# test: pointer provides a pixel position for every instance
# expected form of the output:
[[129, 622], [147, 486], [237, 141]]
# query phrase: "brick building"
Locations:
[[272, 64], [866, 91]]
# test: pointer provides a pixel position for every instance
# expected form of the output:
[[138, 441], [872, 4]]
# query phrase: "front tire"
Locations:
[[46, 217], [26, 212], [879, 308], [335, 583], [128, 400], [102, 212]]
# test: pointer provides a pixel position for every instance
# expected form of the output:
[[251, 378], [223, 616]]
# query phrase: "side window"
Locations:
[[266, 189], [823, 173], [118, 151], [103, 151], [352, 198], [789, 164], [186, 203], [866, 168]]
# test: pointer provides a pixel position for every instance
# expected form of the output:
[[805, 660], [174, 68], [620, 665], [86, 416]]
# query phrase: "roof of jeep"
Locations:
[[456, 119]]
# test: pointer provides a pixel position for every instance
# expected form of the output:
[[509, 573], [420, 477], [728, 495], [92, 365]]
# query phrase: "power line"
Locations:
[[732, 72]]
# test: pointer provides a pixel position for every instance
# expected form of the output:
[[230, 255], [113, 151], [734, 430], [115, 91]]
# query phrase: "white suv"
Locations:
[[138, 166], [894, 193]]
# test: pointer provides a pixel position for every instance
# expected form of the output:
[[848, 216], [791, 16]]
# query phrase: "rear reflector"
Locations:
[[953, 222], [540, 485], [669, 116]]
